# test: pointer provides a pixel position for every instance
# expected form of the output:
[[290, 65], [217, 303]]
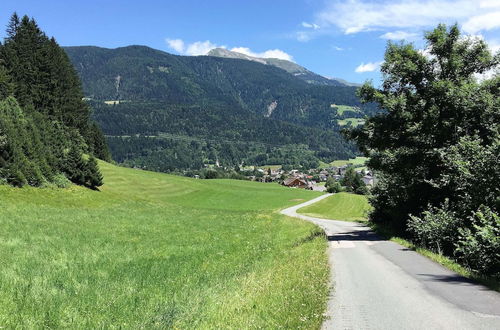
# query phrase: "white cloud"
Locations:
[[483, 22], [338, 48], [354, 16], [304, 36], [271, 53], [368, 67], [310, 25], [176, 44], [489, 4], [195, 48], [203, 47], [399, 35]]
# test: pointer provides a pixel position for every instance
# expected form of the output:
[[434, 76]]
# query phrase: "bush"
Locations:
[[335, 187], [61, 181], [479, 245], [436, 229]]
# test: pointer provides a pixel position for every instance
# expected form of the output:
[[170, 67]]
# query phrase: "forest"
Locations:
[[47, 136], [149, 103]]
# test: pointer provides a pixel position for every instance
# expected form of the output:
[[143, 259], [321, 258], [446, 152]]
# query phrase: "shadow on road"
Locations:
[[447, 278], [359, 235]]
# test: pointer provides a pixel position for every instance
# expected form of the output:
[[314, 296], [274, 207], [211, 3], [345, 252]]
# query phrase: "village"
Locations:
[[312, 179]]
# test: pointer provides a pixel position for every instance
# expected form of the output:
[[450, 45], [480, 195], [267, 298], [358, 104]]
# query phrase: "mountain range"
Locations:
[[168, 112]]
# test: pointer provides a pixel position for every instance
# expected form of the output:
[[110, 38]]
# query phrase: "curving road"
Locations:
[[378, 284]]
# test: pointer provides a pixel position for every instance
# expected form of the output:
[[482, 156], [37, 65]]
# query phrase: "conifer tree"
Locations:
[[44, 123], [93, 175]]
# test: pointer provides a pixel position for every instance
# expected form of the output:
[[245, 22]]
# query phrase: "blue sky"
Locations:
[[343, 39]]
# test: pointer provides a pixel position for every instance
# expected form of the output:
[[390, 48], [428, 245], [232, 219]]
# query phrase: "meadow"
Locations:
[[158, 251], [341, 206], [357, 162]]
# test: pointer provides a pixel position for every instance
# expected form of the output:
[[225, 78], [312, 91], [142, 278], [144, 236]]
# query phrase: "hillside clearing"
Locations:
[[354, 161], [155, 250]]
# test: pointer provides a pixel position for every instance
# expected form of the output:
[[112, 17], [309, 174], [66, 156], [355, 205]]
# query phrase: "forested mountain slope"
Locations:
[[221, 109]]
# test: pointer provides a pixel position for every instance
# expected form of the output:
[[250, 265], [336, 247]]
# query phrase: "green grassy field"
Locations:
[[341, 206], [157, 251], [353, 121], [353, 161], [345, 108]]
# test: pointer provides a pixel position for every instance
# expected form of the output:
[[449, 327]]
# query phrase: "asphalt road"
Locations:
[[378, 284]]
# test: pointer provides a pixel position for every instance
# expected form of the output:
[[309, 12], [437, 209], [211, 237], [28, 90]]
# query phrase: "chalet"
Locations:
[[295, 183]]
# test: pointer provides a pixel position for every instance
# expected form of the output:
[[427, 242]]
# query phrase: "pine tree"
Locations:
[[75, 167], [93, 175]]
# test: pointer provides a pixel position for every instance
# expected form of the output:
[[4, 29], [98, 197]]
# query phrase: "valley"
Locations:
[[231, 110]]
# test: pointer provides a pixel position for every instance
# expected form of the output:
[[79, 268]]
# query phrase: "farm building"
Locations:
[[295, 183]]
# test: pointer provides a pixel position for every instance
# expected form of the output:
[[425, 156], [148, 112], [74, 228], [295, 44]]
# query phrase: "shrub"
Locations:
[[435, 229], [335, 187], [479, 245]]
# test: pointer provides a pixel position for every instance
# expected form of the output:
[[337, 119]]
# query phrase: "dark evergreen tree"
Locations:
[[93, 175], [46, 115]]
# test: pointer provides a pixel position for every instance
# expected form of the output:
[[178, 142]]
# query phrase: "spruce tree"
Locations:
[[93, 175]]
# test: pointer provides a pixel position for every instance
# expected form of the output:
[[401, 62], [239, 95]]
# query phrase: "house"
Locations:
[[368, 180], [295, 183]]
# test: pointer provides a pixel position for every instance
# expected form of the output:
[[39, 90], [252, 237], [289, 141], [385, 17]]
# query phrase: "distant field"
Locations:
[[272, 167], [352, 121], [353, 161], [345, 108], [341, 206], [159, 251]]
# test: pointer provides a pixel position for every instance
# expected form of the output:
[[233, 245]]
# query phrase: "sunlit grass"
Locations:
[[341, 206], [155, 250]]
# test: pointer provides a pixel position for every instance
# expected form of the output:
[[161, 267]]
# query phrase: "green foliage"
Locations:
[[353, 182], [478, 246], [333, 186], [41, 110], [438, 139], [436, 229], [159, 251]]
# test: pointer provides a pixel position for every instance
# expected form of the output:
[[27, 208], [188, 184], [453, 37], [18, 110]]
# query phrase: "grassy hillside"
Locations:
[[153, 250], [341, 206]]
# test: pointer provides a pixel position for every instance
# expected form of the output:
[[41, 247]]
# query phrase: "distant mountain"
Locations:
[[290, 67], [170, 112]]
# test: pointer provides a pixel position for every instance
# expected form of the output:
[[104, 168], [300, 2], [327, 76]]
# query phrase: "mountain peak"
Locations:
[[222, 52], [290, 67]]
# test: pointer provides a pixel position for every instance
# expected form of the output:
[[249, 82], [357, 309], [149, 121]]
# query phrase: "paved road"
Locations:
[[378, 284]]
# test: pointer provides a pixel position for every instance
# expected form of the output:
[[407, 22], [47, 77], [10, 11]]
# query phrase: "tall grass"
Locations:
[[152, 250]]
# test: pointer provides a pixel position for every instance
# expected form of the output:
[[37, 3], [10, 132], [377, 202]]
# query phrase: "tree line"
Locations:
[[46, 133]]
